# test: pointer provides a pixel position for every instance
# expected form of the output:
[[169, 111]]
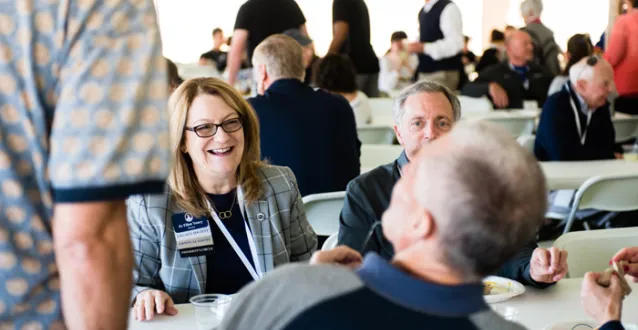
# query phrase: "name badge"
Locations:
[[193, 235]]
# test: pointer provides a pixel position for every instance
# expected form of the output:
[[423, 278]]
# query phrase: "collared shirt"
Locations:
[[396, 285], [377, 296], [83, 118], [522, 71], [452, 28]]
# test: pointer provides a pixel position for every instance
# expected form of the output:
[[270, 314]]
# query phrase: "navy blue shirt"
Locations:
[[225, 272], [312, 132], [557, 137]]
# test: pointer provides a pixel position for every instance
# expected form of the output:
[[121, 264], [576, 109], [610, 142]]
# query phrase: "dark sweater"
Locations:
[[557, 137], [311, 131], [513, 83]]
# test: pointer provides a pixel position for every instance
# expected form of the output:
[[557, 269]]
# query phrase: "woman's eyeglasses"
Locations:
[[208, 130]]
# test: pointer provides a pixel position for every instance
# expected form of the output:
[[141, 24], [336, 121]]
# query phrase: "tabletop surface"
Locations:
[[535, 309]]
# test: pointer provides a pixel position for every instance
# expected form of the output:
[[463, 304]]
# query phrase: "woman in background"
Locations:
[[397, 65], [336, 74], [622, 54], [579, 46]]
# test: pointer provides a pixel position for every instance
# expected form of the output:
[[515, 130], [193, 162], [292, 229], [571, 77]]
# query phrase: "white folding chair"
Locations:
[[475, 104], [626, 128], [616, 193], [331, 242], [527, 142], [375, 134], [323, 210], [194, 70], [517, 126], [590, 251], [381, 106], [373, 155]]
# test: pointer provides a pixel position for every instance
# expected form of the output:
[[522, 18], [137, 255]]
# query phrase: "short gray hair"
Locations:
[[535, 7], [490, 197], [424, 86], [282, 56]]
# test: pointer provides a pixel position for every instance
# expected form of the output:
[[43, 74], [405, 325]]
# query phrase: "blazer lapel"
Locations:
[[256, 215]]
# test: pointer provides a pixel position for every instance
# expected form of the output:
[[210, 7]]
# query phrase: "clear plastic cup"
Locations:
[[210, 309]]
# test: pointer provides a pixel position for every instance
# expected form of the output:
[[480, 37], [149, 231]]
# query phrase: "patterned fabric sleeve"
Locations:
[[146, 247], [303, 240], [109, 136]]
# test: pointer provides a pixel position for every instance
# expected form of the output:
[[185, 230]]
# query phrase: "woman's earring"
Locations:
[[183, 149]]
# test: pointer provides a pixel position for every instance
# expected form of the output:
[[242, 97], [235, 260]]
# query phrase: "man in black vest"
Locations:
[[441, 42]]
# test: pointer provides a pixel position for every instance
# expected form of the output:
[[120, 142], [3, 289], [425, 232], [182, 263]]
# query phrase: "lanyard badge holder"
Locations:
[[255, 271], [582, 134]]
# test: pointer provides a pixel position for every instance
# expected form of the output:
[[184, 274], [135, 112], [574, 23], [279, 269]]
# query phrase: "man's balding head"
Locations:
[[520, 48], [593, 79], [472, 199]]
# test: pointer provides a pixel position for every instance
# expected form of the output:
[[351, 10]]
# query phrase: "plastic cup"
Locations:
[[210, 309]]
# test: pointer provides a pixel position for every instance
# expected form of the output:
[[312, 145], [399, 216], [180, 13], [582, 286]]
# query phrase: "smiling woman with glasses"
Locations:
[[226, 219]]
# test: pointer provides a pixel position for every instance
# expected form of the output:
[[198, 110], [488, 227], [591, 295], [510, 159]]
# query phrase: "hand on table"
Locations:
[[151, 302], [603, 304], [548, 266], [619, 155], [498, 95], [341, 255], [630, 255]]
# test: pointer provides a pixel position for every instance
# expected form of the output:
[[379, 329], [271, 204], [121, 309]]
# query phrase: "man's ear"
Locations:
[[424, 226], [581, 84], [398, 134]]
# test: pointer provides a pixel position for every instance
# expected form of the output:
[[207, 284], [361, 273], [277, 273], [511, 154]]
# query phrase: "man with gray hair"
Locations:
[[576, 123], [423, 112], [483, 211], [546, 50], [311, 131]]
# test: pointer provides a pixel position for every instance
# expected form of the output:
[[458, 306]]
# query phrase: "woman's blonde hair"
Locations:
[[182, 180]]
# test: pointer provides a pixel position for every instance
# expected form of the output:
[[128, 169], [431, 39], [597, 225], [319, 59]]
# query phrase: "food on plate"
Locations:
[[487, 287]]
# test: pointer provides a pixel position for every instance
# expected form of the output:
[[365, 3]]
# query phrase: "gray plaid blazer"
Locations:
[[278, 223]]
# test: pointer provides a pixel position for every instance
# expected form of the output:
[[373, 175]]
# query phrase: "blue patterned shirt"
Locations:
[[82, 118]]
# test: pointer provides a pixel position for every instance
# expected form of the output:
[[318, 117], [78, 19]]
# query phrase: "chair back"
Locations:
[[626, 128], [615, 193], [323, 210], [590, 251], [331, 242], [527, 142], [375, 134], [381, 106], [373, 155]]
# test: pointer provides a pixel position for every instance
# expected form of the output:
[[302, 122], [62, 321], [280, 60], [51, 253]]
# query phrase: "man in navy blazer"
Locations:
[[576, 123], [311, 131]]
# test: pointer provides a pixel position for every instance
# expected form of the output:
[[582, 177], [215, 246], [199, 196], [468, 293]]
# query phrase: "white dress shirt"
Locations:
[[362, 109], [452, 28]]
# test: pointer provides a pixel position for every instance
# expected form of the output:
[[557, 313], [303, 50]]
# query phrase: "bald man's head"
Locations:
[[593, 79], [520, 48]]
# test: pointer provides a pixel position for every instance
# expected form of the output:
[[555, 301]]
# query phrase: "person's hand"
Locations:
[[618, 155], [603, 304], [341, 255], [630, 255], [548, 266], [499, 95], [416, 47], [151, 302]]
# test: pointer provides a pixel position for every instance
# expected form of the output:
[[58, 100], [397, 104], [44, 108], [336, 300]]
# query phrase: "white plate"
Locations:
[[582, 325], [504, 289]]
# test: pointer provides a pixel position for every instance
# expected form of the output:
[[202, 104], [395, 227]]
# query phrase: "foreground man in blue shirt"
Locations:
[[456, 216]]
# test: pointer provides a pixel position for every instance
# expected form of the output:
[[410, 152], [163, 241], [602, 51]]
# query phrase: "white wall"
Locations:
[[186, 25]]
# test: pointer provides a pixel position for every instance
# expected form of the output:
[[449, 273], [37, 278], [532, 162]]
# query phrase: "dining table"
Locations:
[[536, 309]]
